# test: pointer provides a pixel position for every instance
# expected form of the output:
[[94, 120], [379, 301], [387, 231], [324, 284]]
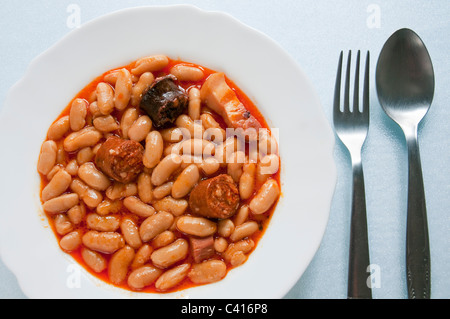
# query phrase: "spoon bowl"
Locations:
[[405, 77], [405, 87]]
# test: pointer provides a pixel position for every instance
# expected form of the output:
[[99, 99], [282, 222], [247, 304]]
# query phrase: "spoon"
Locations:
[[405, 87]]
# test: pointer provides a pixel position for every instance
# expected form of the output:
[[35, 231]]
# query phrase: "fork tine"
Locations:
[[356, 87], [365, 109], [337, 88], [347, 84]]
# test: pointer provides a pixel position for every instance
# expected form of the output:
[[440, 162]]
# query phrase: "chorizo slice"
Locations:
[[120, 159], [216, 197]]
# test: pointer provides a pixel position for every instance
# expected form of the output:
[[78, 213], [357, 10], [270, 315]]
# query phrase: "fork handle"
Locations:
[[359, 261], [417, 242]]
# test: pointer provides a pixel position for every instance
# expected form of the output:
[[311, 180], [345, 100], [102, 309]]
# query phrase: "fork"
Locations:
[[351, 126]]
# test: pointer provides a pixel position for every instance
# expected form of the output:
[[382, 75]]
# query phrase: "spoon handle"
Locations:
[[417, 244], [359, 261]]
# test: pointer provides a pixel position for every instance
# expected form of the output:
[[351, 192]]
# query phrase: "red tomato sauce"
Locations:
[[264, 219]]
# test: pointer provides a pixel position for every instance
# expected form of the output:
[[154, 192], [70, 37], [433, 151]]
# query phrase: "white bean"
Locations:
[[143, 277], [185, 181], [265, 198], [194, 104], [238, 258], [53, 171], [208, 272], [93, 177], [163, 190], [108, 207], [72, 167], [150, 64], [78, 112], [208, 121], [241, 216], [119, 190], [268, 166], [111, 77], [89, 196], [144, 186], [244, 230], [196, 226], [140, 128], [172, 277], [61, 203], [58, 185], [119, 263], [209, 165], [169, 204], [142, 256], [225, 227], [244, 245], [87, 136], [187, 72], [61, 155], [165, 168], [234, 167], [267, 144], [105, 98], [59, 128], [47, 157], [106, 123], [247, 180], [71, 241], [62, 224], [102, 223], [165, 238], [195, 129], [122, 90], [220, 244], [76, 214], [94, 110], [138, 207], [128, 118], [167, 256], [173, 134], [94, 260], [154, 146], [85, 155], [144, 82], [130, 232], [104, 242], [155, 225]]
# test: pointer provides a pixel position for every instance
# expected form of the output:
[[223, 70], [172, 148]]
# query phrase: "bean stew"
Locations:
[[159, 176]]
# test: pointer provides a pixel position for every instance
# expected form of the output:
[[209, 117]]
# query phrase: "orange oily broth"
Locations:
[[87, 93]]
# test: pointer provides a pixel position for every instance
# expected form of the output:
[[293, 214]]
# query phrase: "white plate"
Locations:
[[267, 74]]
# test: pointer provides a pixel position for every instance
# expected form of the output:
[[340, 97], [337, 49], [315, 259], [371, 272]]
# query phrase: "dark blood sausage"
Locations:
[[164, 101], [202, 248], [216, 197], [120, 159]]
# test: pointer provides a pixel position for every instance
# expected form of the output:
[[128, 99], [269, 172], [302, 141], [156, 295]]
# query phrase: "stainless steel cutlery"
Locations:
[[405, 88], [351, 124]]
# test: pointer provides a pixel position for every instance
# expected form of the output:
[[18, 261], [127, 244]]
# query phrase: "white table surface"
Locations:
[[313, 33]]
